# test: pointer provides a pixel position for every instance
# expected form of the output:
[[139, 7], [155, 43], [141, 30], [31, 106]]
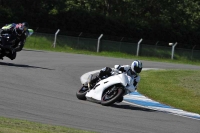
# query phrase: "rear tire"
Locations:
[[80, 94], [108, 98]]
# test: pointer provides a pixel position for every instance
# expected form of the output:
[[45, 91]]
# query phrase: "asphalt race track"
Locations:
[[41, 86]]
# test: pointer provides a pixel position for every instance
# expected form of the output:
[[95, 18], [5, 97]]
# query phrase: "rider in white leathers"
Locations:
[[132, 71]]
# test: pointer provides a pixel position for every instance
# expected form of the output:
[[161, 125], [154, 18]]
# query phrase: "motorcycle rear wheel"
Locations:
[[109, 97], [80, 94]]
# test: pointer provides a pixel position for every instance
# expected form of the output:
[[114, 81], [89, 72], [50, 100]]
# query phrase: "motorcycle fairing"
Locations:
[[99, 88]]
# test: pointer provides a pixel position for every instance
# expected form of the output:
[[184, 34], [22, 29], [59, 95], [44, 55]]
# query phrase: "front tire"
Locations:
[[80, 94], [111, 96]]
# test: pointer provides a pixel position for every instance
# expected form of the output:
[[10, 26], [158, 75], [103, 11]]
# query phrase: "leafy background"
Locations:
[[166, 20]]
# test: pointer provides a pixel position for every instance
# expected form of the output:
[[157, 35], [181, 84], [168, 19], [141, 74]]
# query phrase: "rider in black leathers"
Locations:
[[17, 36]]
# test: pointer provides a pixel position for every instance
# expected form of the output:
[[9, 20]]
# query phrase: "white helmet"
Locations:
[[136, 66]]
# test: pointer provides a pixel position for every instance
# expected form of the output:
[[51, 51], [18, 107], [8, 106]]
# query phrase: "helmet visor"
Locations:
[[138, 70]]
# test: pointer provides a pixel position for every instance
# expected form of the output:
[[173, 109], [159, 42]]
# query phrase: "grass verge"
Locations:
[[43, 43], [177, 88], [8, 125]]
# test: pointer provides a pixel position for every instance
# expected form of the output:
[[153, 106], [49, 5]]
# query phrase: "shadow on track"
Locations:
[[131, 107], [21, 65]]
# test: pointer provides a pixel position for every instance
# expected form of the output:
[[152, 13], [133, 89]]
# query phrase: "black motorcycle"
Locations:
[[6, 46]]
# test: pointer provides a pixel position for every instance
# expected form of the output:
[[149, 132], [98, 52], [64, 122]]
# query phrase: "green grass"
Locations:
[[8, 125], [177, 88]]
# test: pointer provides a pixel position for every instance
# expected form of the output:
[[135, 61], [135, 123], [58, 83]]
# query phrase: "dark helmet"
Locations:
[[136, 66], [21, 28], [26, 25]]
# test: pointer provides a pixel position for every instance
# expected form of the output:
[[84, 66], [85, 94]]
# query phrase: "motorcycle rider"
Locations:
[[17, 37], [132, 71]]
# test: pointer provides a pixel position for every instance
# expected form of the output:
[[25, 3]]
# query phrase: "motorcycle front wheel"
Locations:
[[80, 94], [111, 95]]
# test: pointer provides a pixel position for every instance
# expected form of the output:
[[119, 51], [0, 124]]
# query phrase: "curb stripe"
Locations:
[[138, 99]]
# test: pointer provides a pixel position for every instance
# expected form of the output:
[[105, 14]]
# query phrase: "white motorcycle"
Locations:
[[106, 91]]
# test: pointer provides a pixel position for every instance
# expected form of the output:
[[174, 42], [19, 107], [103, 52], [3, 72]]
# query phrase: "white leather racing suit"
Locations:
[[133, 78]]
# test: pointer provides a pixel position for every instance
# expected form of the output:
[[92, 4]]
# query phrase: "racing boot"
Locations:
[[92, 82], [89, 81]]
